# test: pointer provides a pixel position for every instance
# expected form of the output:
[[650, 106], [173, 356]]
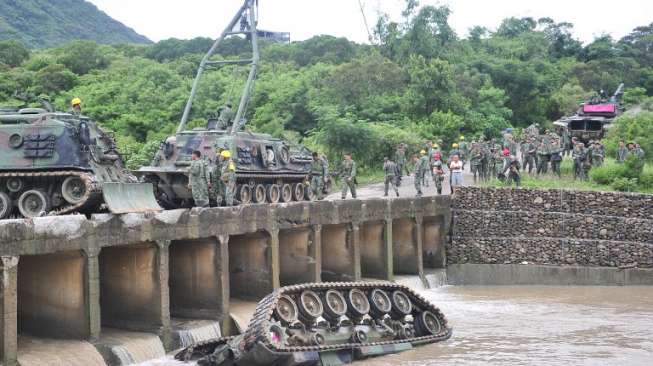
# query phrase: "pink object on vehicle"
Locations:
[[599, 108]]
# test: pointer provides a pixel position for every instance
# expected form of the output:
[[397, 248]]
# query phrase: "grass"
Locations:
[[550, 181]]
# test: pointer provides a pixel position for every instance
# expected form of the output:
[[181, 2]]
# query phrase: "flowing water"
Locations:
[[187, 332], [538, 325]]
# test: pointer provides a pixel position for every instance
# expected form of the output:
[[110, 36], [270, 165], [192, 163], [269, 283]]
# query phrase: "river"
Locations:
[[535, 325]]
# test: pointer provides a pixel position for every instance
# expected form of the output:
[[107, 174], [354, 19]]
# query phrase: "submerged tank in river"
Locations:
[[328, 324], [55, 163], [267, 169]]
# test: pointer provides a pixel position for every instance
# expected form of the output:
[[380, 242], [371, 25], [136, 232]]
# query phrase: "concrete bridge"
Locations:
[[76, 278]]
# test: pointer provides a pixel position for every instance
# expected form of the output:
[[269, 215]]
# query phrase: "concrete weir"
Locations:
[[126, 288]]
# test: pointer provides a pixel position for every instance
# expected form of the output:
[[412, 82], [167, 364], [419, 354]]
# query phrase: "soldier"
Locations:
[[199, 179], [76, 105], [566, 142], [556, 159], [217, 187], [639, 152], [464, 151], [598, 154], [421, 167], [530, 153], [318, 176], [622, 152], [497, 161], [348, 176], [542, 158], [579, 155], [225, 115], [438, 172], [390, 170], [454, 151], [475, 157], [228, 177], [512, 169], [486, 156], [400, 159], [429, 154]]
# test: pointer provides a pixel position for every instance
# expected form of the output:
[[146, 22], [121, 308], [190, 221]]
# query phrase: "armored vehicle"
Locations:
[[594, 117], [55, 163], [267, 169], [328, 324]]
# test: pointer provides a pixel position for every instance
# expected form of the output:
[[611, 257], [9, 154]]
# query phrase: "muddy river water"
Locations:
[[536, 325]]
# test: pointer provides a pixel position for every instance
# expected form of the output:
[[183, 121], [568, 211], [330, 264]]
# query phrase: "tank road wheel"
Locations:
[[5, 205], [298, 191], [310, 306], [14, 184], [286, 310], [357, 304], [286, 193], [73, 190], [335, 305], [33, 202], [259, 193], [308, 194], [380, 303], [244, 194], [401, 305], [427, 324], [273, 193], [276, 334]]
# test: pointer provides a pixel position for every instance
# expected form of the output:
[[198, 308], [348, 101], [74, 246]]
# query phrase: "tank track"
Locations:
[[258, 332], [92, 196]]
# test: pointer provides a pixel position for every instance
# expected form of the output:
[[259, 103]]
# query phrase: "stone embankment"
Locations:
[[553, 227]]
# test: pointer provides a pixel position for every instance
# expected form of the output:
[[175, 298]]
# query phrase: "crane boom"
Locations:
[[247, 15]]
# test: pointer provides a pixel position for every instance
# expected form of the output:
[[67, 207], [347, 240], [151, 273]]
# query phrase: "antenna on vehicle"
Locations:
[[367, 27]]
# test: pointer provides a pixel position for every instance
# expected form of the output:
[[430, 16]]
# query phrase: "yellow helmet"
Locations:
[[423, 152], [462, 138], [75, 101], [455, 145], [225, 154], [435, 146]]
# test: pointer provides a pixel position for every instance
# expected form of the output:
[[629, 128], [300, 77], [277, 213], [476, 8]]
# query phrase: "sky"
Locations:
[[161, 19]]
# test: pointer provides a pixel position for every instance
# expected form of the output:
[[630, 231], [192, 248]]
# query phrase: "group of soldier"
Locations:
[[212, 182], [320, 176]]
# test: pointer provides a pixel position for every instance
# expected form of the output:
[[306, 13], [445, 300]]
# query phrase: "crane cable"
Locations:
[[367, 27]]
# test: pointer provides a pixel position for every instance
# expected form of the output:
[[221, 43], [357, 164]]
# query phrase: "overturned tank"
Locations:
[[267, 169], [328, 324], [55, 163], [594, 117]]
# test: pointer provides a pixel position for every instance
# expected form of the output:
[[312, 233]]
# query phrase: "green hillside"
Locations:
[[48, 23]]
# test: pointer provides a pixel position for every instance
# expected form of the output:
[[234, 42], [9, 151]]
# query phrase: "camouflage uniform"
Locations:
[[529, 156], [348, 178], [598, 154], [420, 170], [318, 172], [199, 178], [224, 117], [400, 159], [579, 155], [217, 187], [513, 168], [390, 169], [475, 157], [542, 158], [556, 159], [438, 175], [228, 177]]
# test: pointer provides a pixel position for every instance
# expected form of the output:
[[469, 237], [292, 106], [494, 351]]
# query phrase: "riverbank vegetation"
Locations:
[[420, 81]]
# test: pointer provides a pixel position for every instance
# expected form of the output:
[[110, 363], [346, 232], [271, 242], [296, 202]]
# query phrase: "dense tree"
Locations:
[[13, 53]]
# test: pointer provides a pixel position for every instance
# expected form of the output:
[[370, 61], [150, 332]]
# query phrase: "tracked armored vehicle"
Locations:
[[55, 163], [594, 117], [267, 169], [328, 323]]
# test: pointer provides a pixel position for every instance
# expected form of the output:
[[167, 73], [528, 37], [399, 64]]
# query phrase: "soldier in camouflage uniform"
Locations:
[[225, 115], [228, 177], [391, 171], [400, 159], [217, 187], [464, 151], [348, 174], [438, 172], [421, 167], [557, 152], [318, 176], [475, 157], [598, 154], [529, 155], [199, 179], [542, 158], [579, 155]]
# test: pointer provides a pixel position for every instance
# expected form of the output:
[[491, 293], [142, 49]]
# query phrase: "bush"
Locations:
[[607, 173], [646, 178], [624, 184]]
